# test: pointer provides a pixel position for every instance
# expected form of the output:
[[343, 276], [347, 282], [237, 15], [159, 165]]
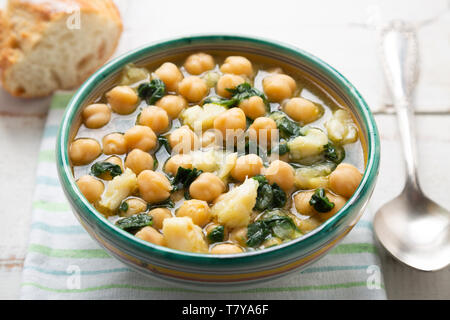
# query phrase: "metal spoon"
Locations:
[[413, 228]]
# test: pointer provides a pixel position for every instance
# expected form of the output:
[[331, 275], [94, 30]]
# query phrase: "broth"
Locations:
[[263, 67]]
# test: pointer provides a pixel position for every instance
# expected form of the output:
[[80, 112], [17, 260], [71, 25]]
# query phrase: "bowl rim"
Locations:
[[82, 205]]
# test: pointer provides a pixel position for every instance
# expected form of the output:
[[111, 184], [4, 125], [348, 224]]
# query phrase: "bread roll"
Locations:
[[47, 45]]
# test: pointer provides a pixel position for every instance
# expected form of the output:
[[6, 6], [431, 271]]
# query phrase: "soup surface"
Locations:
[[217, 153]]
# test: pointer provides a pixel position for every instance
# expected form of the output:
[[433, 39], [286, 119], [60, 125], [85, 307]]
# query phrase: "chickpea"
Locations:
[[96, 115], [177, 196], [170, 75], [153, 186], [239, 235], [228, 81], [231, 122], [271, 242], [198, 63], [249, 166], [307, 225], [122, 99], [237, 65], [197, 210], [345, 179], [183, 140], [135, 206], [193, 88], [276, 70], [274, 156], [113, 160], [140, 137], [338, 201], [301, 203], [114, 143], [282, 174], [278, 87], [226, 248], [138, 161], [210, 227], [159, 215], [206, 187], [253, 107], [178, 160], [84, 151], [302, 110], [91, 188], [154, 117], [152, 235], [172, 104], [261, 130]]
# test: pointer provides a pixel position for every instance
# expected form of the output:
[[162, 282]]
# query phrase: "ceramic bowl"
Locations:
[[204, 270]]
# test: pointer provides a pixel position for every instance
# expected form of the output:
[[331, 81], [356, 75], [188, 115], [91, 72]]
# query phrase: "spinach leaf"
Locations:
[[283, 227], [152, 91], [288, 128], [279, 196], [268, 196], [163, 142], [216, 235], [229, 103], [260, 178], [264, 199], [165, 204], [245, 91], [184, 178], [102, 167], [320, 201], [257, 233], [281, 148], [241, 92], [134, 223], [123, 207], [273, 223], [334, 153]]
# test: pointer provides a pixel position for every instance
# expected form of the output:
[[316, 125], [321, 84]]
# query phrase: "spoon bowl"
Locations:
[[415, 230]]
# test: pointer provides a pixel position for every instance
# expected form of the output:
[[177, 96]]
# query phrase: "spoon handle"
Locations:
[[400, 62]]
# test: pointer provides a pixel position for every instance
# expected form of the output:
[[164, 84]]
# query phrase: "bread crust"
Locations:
[[24, 23]]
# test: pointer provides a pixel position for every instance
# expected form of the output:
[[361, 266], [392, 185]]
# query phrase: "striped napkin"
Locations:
[[63, 262]]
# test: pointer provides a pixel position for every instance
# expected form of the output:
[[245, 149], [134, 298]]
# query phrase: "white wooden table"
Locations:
[[329, 29]]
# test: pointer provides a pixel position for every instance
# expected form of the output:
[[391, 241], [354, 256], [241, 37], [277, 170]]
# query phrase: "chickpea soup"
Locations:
[[217, 153]]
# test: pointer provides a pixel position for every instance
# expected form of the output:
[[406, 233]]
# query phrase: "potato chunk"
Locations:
[[132, 74], [214, 161], [234, 208], [341, 128], [307, 146], [118, 189], [181, 233], [226, 165], [201, 118], [207, 161], [313, 177]]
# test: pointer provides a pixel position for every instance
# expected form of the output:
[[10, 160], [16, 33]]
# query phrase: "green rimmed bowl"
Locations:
[[204, 270]]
